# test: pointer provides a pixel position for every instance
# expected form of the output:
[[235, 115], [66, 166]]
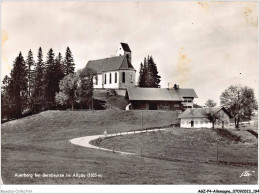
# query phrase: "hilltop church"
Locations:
[[118, 73], [115, 72]]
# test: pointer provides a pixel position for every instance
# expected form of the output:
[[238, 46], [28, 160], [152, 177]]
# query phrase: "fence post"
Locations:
[[142, 120], [217, 154]]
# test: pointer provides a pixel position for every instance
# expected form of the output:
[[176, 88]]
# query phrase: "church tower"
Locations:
[[124, 49]]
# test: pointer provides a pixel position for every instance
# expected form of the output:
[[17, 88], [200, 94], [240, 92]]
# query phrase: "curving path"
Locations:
[[85, 141]]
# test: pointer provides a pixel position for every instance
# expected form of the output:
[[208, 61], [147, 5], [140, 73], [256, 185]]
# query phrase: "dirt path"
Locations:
[[85, 141]]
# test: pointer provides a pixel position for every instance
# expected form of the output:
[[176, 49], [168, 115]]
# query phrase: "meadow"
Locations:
[[40, 144]]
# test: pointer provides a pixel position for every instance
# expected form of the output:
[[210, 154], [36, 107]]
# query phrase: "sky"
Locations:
[[207, 46]]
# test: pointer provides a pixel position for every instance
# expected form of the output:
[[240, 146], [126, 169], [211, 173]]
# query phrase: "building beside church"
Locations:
[[161, 98], [114, 72]]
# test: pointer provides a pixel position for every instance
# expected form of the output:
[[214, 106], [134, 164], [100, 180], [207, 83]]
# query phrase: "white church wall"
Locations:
[[97, 83], [120, 51], [114, 77]]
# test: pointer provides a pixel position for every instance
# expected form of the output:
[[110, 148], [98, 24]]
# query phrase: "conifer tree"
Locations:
[[6, 102], [30, 71], [69, 66], [38, 92], [59, 65], [30, 78], [18, 85], [58, 72], [50, 78], [148, 75], [141, 77], [155, 79]]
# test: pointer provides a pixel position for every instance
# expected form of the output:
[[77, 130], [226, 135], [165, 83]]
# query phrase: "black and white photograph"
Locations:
[[134, 93]]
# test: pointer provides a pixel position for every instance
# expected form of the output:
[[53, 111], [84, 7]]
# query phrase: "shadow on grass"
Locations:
[[228, 134], [253, 133]]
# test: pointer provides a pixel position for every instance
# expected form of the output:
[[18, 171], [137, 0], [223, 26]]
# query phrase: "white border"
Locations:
[[123, 188], [129, 188]]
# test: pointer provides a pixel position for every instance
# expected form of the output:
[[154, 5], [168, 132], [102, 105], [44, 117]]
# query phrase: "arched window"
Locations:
[[123, 77], [105, 78], [110, 78], [96, 80]]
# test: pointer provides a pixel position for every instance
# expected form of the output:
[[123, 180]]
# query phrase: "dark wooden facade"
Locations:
[[156, 105]]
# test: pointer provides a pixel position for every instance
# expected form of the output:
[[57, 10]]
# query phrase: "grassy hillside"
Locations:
[[197, 145], [40, 144]]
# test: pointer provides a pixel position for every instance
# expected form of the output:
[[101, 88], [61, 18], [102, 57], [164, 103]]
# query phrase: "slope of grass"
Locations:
[[248, 132], [253, 132], [227, 134], [186, 145], [40, 144], [118, 102]]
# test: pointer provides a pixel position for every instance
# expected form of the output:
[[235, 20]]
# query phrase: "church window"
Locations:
[[115, 77], [110, 78], [123, 77], [105, 78], [96, 80]]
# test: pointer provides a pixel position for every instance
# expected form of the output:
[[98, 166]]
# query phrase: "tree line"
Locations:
[[36, 86]]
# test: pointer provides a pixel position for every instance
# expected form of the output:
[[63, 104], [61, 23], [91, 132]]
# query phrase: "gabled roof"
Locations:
[[110, 64], [125, 47], [198, 112], [187, 92], [155, 94]]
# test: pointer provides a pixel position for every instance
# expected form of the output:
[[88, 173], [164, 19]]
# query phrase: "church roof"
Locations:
[[110, 64], [125, 47]]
